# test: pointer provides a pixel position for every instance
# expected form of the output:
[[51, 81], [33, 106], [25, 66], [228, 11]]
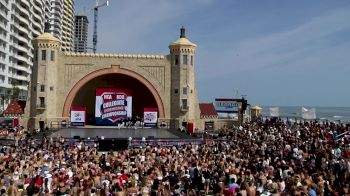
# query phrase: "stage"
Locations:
[[113, 132]]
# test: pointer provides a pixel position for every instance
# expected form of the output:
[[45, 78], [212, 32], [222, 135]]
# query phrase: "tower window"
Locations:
[[43, 55], [176, 59], [184, 103], [42, 88], [185, 60], [52, 55], [184, 90], [191, 60], [42, 102], [176, 91]]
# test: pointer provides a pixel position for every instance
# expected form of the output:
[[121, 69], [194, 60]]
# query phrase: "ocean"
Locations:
[[336, 114]]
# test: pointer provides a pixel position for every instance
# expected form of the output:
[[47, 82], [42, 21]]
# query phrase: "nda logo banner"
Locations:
[[112, 105], [78, 116]]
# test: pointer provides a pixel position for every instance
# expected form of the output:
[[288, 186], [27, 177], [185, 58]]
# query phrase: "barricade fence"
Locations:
[[134, 143]]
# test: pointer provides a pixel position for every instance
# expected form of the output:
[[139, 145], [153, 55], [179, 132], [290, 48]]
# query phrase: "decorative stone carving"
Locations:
[[158, 72], [72, 69]]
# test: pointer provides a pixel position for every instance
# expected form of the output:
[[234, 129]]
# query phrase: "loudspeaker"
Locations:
[[76, 137], [113, 144], [150, 137]]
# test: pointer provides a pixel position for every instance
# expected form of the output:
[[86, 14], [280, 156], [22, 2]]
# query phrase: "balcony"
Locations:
[[38, 3], [6, 6], [24, 10], [3, 15], [23, 20], [25, 2], [35, 24], [37, 17], [36, 33], [21, 58], [41, 106], [21, 77], [21, 38], [20, 48], [36, 9], [20, 67], [184, 108], [3, 26]]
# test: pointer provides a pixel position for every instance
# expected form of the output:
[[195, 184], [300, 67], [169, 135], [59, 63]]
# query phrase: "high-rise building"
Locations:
[[54, 15], [68, 25], [20, 22], [60, 15], [80, 33]]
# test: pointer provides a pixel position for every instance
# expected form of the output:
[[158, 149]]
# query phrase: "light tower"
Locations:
[[184, 100], [42, 94], [94, 38]]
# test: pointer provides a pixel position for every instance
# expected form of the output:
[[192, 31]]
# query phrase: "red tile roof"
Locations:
[[207, 109], [15, 108]]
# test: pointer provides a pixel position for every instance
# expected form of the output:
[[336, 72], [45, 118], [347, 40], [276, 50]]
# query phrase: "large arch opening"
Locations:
[[143, 93]]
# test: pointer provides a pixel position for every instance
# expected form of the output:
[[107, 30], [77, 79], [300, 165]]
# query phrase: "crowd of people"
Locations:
[[269, 158]]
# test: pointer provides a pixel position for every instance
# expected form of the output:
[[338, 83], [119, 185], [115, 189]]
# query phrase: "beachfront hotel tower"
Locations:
[[54, 15], [68, 25], [20, 22], [60, 15], [80, 33]]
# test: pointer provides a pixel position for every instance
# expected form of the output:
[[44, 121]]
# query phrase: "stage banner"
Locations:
[[78, 116], [112, 106], [150, 117]]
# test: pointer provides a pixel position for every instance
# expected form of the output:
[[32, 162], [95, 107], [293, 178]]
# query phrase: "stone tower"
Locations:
[[184, 100], [43, 92]]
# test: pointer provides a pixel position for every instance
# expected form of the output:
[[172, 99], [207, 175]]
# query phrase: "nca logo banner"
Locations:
[[113, 104]]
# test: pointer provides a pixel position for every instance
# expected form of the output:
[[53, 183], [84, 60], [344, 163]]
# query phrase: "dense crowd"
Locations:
[[255, 159]]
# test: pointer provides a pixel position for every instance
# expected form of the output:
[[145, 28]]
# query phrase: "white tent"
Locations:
[[308, 114], [274, 112]]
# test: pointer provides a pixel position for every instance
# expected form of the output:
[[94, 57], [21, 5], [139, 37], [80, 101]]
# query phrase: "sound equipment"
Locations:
[[113, 144], [76, 137]]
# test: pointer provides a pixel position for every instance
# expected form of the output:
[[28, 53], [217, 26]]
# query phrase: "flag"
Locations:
[[274, 112], [308, 114]]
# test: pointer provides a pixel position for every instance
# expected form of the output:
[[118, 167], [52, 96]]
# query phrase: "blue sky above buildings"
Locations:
[[276, 52]]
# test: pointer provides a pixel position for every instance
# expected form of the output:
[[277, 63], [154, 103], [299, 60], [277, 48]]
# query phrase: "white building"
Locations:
[[61, 13], [68, 25], [20, 22]]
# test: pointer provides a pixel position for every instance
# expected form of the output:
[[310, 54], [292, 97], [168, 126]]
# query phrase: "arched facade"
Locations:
[[57, 78], [73, 92]]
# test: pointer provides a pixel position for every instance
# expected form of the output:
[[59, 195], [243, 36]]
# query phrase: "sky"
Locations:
[[278, 53]]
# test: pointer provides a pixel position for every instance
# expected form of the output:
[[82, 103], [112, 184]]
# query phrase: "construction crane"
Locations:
[[94, 38]]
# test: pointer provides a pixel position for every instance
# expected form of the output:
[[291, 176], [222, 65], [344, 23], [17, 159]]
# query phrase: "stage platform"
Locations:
[[113, 132]]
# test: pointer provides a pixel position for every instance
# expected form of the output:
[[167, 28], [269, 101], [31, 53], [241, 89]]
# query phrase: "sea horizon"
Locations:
[[339, 114]]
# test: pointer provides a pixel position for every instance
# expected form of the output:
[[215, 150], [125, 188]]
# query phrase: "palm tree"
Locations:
[[3, 100], [15, 91]]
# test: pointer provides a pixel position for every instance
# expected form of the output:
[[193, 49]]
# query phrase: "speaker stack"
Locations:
[[113, 144]]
